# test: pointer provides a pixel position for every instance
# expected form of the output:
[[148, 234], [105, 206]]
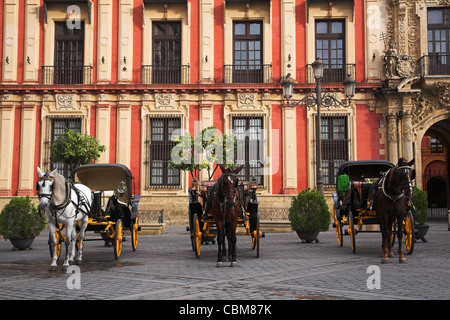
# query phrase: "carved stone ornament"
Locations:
[[66, 101], [392, 133], [405, 66], [396, 64], [407, 132], [246, 100], [423, 105], [444, 93], [164, 100]]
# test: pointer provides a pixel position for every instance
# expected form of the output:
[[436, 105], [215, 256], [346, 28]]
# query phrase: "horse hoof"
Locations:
[[219, 264], [65, 267], [384, 260], [233, 264], [52, 268], [402, 260], [78, 262]]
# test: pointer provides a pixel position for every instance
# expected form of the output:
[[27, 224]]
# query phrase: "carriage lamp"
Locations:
[[194, 185], [318, 100], [122, 188]]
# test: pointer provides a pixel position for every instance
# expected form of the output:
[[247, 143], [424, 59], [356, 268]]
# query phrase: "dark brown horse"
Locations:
[[225, 209], [391, 204]]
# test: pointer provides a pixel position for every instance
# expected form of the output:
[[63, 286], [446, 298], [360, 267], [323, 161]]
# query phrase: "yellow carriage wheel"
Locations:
[[118, 239], [351, 230], [135, 233], [256, 235], [338, 225], [409, 232], [197, 238]]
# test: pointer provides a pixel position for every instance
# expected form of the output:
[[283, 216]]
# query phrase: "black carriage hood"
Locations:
[[358, 170], [105, 176]]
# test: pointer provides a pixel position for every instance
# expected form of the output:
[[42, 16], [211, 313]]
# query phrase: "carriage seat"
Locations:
[[244, 187], [101, 201], [363, 189]]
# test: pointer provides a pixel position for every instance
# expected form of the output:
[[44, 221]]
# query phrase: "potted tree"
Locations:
[[75, 149], [309, 215], [195, 153], [420, 213], [19, 222]]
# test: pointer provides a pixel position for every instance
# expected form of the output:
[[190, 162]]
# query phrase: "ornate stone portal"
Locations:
[[413, 101]]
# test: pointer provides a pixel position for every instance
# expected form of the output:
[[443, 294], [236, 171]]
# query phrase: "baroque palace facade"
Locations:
[[131, 72]]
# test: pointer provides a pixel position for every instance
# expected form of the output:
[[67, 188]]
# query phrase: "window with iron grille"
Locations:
[[56, 126], [330, 47], [248, 130], [334, 139], [159, 147]]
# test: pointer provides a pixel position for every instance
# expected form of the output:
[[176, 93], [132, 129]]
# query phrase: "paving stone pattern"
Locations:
[[164, 267]]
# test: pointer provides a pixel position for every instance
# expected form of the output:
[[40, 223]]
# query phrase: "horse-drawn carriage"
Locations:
[[362, 198], [202, 221], [114, 205], [99, 198]]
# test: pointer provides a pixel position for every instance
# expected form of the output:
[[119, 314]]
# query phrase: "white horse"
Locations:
[[64, 203]]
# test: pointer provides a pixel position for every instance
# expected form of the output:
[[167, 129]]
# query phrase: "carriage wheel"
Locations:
[[338, 225], [351, 230], [135, 233], [118, 238], [191, 230], [197, 236], [409, 231], [255, 236]]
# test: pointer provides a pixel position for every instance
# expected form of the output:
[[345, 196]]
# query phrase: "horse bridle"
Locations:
[[403, 186], [230, 202], [409, 183], [53, 207], [45, 195]]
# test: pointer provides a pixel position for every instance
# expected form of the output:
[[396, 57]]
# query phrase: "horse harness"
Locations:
[[232, 199], [383, 181], [69, 187]]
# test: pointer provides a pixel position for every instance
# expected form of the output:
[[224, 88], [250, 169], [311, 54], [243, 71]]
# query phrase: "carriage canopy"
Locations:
[[363, 170], [106, 176]]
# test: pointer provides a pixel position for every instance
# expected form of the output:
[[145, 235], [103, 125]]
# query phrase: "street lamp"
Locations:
[[318, 99]]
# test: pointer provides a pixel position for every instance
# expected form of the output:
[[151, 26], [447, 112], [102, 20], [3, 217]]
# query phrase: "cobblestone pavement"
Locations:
[[164, 267]]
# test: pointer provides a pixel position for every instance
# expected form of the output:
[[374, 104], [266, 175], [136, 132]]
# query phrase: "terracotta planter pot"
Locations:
[[22, 243], [308, 237], [421, 231]]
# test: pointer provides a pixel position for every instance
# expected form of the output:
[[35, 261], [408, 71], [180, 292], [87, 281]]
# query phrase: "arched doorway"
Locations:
[[437, 192], [435, 167]]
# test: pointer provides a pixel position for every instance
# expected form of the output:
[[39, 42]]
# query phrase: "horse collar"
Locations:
[[66, 202]]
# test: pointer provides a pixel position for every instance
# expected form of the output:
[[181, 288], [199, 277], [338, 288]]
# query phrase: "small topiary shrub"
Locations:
[[18, 219], [309, 212], [420, 202]]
